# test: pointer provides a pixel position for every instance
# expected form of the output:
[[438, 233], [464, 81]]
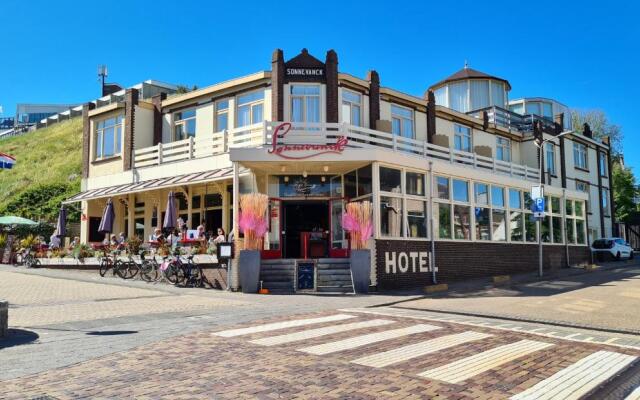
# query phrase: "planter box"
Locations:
[[361, 270], [249, 270]]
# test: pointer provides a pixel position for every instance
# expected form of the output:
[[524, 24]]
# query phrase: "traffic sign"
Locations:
[[538, 204], [537, 191], [539, 214]]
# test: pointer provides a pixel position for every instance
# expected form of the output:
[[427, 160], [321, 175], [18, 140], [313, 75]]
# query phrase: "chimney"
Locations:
[[374, 98], [331, 65], [277, 85]]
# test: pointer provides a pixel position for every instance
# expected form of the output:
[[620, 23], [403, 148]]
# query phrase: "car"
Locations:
[[617, 247]]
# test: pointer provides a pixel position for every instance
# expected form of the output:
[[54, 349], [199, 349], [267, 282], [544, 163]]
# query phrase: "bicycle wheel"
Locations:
[[173, 273], [132, 270], [105, 264], [36, 263], [147, 271], [119, 268]]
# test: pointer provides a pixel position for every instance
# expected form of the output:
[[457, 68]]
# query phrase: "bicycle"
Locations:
[[110, 261], [127, 269], [148, 268], [29, 260]]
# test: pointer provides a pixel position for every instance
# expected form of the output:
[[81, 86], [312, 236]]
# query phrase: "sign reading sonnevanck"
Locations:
[[304, 72]]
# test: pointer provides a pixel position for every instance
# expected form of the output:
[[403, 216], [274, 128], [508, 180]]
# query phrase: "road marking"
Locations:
[[579, 378], [314, 333], [359, 341], [406, 353], [282, 325], [635, 395], [465, 368]]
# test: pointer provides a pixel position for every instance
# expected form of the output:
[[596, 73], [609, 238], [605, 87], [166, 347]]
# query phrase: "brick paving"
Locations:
[[203, 365]]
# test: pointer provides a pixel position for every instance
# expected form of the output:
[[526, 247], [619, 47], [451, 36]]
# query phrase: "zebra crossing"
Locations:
[[571, 382]]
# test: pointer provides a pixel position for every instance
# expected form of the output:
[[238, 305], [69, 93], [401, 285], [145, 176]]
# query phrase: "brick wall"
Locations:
[[457, 261]]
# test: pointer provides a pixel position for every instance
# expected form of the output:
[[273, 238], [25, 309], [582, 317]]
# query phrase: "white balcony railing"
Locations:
[[259, 135]]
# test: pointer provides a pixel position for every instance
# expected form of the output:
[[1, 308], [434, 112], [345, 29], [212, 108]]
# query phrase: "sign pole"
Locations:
[[540, 171]]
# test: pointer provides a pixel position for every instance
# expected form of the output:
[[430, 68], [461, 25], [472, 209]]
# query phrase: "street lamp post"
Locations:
[[541, 173]]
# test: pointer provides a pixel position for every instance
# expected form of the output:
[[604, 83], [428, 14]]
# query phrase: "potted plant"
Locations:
[[252, 221], [357, 221]]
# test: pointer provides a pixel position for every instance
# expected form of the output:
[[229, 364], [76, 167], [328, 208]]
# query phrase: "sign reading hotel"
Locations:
[[299, 151], [402, 264]]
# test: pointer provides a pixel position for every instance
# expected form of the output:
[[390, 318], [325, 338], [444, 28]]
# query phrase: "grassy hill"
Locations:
[[48, 169]]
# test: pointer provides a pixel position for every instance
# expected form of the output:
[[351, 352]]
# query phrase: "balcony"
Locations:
[[261, 135], [514, 121]]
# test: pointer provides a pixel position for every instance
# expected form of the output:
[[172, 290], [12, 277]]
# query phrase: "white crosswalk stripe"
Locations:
[[579, 378], [406, 353], [282, 325], [359, 341], [461, 370], [314, 333], [635, 395]]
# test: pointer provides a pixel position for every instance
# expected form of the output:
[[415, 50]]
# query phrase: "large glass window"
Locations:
[[415, 183], [482, 193], [497, 196], [459, 96], [602, 159], [442, 188], [417, 218], [305, 103], [351, 107], [530, 228], [515, 198], [462, 222], [443, 217], [462, 138], [390, 180], [497, 94], [503, 149], [391, 216], [556, 223], [402, 121], [351, 185], [482, 223], [479, 94], [460, 190], [250, 108], [516, 226], [499, 225], [604, 196], [364, 180], [222, 115], [580, 155], [109, 137], [184, 124]]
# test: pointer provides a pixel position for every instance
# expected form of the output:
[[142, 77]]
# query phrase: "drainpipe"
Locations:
[[431, 225]]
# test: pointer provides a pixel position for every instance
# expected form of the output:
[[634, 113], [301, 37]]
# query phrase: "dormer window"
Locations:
[[108, 139]]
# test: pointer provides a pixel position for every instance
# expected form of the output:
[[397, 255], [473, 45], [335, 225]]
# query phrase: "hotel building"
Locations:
[[449, 173]]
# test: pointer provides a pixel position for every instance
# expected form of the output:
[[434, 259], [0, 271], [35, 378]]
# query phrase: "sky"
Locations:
[[584, 54]]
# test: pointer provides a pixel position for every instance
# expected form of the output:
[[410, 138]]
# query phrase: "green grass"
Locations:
[[48, 156]]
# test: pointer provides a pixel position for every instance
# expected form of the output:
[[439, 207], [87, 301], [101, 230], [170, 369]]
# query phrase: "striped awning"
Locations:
[[153, 184]]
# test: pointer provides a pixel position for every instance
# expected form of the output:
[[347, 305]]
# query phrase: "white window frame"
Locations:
[[458, 131], [252, 104], [580, 156], [550, 156], [604, 200], [504, 144], [303, 98], [351, 105], [219, 112], [602, 159], [403, 121], [182, 123], [118, 128]]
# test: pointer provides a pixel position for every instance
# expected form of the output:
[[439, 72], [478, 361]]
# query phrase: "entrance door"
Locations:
[[273, 247], [305, 224], [338, 243]]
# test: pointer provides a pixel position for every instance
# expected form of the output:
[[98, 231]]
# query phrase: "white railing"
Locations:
[[261, 134]]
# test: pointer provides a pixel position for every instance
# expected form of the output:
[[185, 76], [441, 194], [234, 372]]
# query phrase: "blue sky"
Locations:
[[584, 54]]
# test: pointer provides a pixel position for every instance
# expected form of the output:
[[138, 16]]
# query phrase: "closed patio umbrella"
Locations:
[[108, 216], [170, 215], [61, 226]]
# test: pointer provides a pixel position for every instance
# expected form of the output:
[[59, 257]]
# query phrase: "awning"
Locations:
[[153, 184]]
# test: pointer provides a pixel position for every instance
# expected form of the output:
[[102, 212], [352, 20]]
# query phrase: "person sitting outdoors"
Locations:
[[54, 241], [156, 236], [75, 243], [122, 238], [221, 237]]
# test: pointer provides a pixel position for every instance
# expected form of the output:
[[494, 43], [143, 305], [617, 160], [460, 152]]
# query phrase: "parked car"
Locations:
[[616, 247]]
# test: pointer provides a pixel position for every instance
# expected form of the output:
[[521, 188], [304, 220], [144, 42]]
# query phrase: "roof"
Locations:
[[469, 73]]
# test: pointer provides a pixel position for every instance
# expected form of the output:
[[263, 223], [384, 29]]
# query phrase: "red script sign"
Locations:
[[284, 150]]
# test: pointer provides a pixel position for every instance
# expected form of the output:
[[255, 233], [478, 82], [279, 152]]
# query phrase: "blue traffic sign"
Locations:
[[538, 205]]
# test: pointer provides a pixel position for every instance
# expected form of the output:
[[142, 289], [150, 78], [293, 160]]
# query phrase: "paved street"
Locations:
[[80, 336]]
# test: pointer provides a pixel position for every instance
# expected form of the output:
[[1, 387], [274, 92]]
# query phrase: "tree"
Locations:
[[625, 191], [181, 89], [600, 126]]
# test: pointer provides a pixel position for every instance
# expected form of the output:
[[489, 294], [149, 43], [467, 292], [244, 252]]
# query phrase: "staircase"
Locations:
[[334, 275], [278, 275]]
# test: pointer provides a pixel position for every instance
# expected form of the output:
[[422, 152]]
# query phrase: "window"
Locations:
[[547, 110], [503, 149], [249, 108], [498, 224], [514, 199], [443, 216], [462, 222], [415, 183], [357, 183], [305, 103], [530, 228], [459, 96], [580, 155], [351, 185], [550, 158], [351, 108], [533, 108], [109, 137], [442, 188], [479, 94], [222, 115], [497, 94], [462, 138], [391, 216], [604, 196], [482, 223], [460, 190], [364, 180], [516, 226], [602, 159], [417, 218], [402, 121], [497, 196], [574, 223], [184, 124], [390, 180], [482, 193], [584, 187]]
